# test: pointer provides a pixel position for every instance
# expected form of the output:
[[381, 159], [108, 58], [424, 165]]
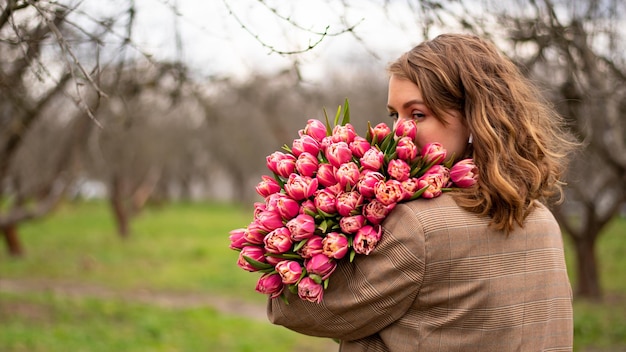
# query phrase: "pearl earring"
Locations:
[[471, 138]]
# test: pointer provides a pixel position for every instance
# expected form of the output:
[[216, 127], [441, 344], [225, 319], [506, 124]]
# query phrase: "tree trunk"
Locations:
[[117, 204], [588, 285], [14, 246]]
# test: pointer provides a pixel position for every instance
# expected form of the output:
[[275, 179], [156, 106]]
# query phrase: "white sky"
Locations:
[[215, 43]]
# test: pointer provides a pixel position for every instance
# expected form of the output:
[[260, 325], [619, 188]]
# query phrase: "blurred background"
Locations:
[[132, 134]]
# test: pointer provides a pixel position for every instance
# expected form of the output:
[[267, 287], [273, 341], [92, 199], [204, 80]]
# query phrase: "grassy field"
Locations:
[[184, 249]]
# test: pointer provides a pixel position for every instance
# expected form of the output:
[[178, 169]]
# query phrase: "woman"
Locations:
[[479, 269]]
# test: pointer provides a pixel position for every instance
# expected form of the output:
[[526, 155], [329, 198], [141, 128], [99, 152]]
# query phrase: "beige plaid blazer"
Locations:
[[442, 280]]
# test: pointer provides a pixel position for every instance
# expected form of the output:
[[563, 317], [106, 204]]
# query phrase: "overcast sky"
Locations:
[[214, 42]]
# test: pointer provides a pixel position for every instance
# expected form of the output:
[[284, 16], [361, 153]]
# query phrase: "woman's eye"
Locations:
[[418, 115], [393, 115]]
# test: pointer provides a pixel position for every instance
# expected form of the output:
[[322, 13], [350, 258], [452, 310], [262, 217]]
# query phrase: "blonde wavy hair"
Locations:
[[519, 141]]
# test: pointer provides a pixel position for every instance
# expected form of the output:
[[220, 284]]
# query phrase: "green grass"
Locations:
[[184, 248]]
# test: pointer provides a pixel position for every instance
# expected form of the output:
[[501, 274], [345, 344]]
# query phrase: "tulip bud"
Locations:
[[289, 271], [310, 290], [366, 239], [306, 164], [359, 146], [375, 212], [464, 173], [305, 144], [350, 224], [433, 153], [406, 149], [335, 245], [255, 233], [315, 129], [345, 133], [252, 252], [267, 186], [389, 192], [325, 201], [406, 128], [237, 238], [311, 247], [321, 265], [436, 178], [349, 203], [347, 175], [372, 159], [338, 153], [270, 284], [367, 183], [269, 220], [379, 132], [301, 187], [301, 227], [326, 175], [278, 241], [398, 169]]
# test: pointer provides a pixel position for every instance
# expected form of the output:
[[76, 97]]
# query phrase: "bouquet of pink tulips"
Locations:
[[328, 195]]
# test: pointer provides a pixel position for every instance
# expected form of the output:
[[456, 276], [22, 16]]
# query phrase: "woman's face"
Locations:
[[405, 101]]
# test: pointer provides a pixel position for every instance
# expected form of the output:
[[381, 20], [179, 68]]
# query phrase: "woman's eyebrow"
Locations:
[[407, 104]]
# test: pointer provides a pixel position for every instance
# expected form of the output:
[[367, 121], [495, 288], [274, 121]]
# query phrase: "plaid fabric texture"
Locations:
[[442, 280]]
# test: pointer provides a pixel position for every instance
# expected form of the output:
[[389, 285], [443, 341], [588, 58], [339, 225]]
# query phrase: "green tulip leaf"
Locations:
[[257, 264]]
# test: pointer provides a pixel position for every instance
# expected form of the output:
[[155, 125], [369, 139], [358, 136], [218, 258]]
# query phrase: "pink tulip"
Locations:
[[258, 208], [406, 128], [366, 239], [287, 207], [267, 186], [389, 192], [278, 241], [338, 153], [345, 133], [433, 153], [326, 175], [464, 173], [375, 212], [289, 271], [410, 186], [286, 166], [320, 265], [325, 201], [367, 183], [301, 227], [252, 252], [270, 284], [379, 132], [315, 129], [237, 239], [300, 187], [269, 220], [325, 143], [255, 233], [406, 149], [350, 224], [273, 260], [311, 291], [306, 144], [308, 207], [335, 245], [281, 163], [398, 169], [311, 247], [306, 164], [349, 203], [372, 159], [436, 178], [347, 175], [359, 146]]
